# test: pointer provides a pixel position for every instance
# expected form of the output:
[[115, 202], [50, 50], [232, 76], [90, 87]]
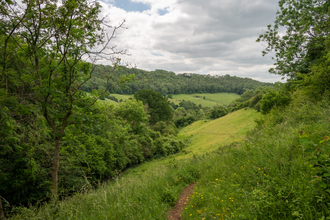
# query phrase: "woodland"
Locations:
[[167, 82], [60, 137]]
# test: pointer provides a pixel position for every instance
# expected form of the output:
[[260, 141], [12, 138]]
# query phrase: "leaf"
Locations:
[[326, 174], [309, 150], [305, 140], [322, 185]]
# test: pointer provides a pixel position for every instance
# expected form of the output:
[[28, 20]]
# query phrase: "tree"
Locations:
[[218, 111], [306, 24], [57, 44], [159, 107]]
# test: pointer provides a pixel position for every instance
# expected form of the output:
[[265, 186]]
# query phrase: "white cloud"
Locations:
[[214, 37]]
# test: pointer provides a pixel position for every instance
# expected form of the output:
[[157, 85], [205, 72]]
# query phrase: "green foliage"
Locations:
[[274, 173], [166, 128], [217, 112], [170, 83], [255, 100], [134, 113], [319, 155], [111, 139], [274, 99], [183, 121], [158, 106], [188, 105], [302, 45]]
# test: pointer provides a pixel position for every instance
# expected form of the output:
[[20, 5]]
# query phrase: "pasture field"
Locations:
[[120, 96], [211, 99]]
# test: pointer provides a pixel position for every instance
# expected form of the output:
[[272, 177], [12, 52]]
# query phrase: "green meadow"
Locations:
[[211, 99], [120, 96]]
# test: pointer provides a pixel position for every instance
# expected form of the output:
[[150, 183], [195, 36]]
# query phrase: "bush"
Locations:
[[183, 121], [274, 99], [166, 128], [217, 112]]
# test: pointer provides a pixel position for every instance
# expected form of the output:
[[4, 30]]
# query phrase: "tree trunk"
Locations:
[[2, 213], [55, 166]]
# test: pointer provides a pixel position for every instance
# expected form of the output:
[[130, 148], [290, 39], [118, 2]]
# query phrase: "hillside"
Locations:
[[206, 136], [139, 192], [168, 82]]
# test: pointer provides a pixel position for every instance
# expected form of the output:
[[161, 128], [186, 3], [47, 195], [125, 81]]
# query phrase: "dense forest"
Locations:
[[167, 82]]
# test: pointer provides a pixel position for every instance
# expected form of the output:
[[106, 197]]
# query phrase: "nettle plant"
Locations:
[[319, 157]]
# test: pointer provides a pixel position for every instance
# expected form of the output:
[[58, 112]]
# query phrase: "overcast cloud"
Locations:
[[214, 37]]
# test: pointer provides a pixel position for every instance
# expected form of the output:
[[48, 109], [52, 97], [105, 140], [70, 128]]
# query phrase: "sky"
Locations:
[[215, 37]]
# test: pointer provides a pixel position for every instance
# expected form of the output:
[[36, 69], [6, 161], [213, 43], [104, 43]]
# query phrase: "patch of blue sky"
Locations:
[[204, 72], [156, 54], [163, 11], [128, 5]]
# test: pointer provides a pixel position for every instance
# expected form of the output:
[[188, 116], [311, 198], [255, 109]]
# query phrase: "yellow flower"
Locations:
[[216, 179]]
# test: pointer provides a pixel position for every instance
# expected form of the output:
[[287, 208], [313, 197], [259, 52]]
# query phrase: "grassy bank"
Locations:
[[270, 175], [208, 136]]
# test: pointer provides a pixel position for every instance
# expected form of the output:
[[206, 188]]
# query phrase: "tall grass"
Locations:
[[141, 193], [269, 174]]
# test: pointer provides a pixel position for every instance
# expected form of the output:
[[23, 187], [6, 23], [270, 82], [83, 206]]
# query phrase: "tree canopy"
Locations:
[[159, 107], [297, 36], [167, 82], [47, 51]]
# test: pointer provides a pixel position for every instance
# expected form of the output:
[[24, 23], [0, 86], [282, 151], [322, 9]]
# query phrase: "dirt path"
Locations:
[[175, 214]]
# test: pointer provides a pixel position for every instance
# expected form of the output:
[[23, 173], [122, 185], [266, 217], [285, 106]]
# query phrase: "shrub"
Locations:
[[274, 99], [217, 112]]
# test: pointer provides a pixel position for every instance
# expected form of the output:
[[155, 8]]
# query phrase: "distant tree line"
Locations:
[[167, 82]]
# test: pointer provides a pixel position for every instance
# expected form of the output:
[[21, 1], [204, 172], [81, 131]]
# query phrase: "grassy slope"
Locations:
[[207, 136]]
